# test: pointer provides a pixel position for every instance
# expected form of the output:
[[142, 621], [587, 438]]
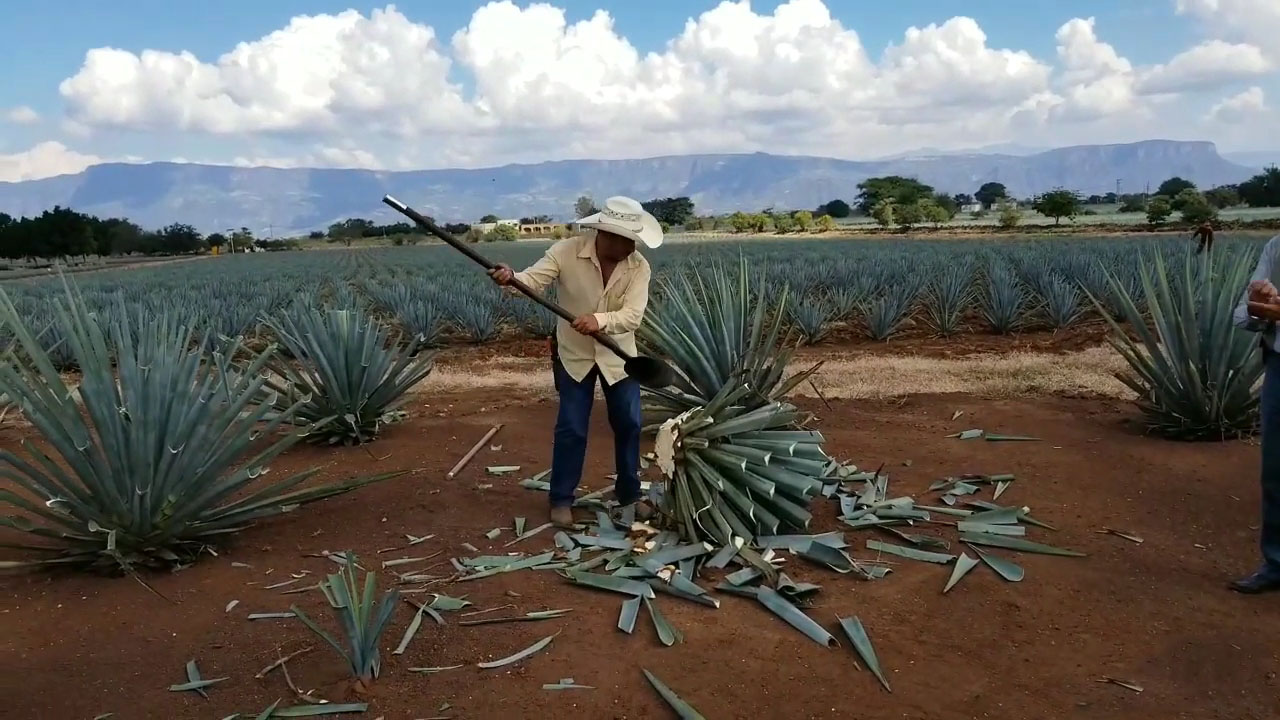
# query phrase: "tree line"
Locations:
[[63, 232]]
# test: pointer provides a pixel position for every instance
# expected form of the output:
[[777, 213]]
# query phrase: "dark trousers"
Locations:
[[1271, 464], [569, 451]]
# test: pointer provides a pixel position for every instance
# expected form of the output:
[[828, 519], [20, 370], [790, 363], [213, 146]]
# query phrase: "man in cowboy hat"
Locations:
[[604, 282]]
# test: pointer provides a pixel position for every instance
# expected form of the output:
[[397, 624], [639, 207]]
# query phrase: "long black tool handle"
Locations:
[[426, 224]]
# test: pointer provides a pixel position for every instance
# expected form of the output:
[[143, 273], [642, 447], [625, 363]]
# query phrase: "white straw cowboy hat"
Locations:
[[624, 216]]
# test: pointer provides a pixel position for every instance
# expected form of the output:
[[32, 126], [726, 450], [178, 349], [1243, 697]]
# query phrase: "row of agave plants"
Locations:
[[873, 287]]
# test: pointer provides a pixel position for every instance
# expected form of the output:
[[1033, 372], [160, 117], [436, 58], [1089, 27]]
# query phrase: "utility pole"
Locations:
[[1117, 189]]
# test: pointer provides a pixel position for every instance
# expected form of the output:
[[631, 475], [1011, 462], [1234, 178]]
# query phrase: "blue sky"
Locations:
[[42, 44]]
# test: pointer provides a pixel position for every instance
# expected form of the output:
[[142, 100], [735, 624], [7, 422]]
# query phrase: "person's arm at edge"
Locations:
[[634, 301], [1266, 262]]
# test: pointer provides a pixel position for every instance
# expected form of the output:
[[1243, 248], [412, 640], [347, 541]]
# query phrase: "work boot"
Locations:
[[562, 517], [1259, 582]]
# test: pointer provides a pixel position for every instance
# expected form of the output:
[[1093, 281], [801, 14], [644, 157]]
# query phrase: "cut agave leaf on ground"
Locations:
[[608, 582], [727, 553], [967, 434], [1012, 543], [990, 529], [493, 534], [527, 617], [501, 469], [517, 657], [743, 576], [1126, 684], [667, 633], [410, 631], [1001, 486], [701, 598], [611, 543], [318, 710], [857, 635], [833, 539], [964, 564], [999, 516], [448, 604], [780, 606], [827, 556], [683, 710], [793, 589], [433, 670], [1004, 568], [910, 553], [1127, 536], [741, 591], [562, 685], [628, 614]]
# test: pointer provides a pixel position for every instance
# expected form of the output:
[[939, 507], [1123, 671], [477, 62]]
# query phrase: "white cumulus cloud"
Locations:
[[1239, 108], [22, 115], [46, 159], [522, 82]]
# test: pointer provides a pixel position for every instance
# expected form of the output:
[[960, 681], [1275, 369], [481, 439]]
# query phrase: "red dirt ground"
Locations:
[[1156, 614]]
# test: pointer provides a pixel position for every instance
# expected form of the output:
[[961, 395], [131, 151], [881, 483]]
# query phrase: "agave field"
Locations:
[[156, 400], [434, 295]]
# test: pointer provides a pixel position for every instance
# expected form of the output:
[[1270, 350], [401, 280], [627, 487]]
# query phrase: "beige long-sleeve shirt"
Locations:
[[580, 288]]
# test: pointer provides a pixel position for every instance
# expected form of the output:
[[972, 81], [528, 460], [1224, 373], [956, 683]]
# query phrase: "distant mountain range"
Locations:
[[287, 201]]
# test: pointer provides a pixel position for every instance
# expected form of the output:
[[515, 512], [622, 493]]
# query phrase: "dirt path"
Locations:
[[1155, 613]]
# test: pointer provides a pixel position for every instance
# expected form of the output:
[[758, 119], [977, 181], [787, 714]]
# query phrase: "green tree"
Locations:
[[1010, 215], [1224, 196], [241, 239], [835, 208], [903, 190], [1057, 204], [783, 223], [583, 207], [1262, 190], [825, 223], [884, 212], [1174, 185], [804, 220], [1184, 197], [1159, 209], [948, 205], [180, 239], [217, 240], [536, 220], [502, 233], [759, 222], [908, 215], [741, 222], [671, 210], [1196, 209], [934, 212], [962, 199], [990, 193], [491, 219], [1132, 204]]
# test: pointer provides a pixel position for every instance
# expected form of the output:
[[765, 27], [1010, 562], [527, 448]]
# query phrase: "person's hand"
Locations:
[[1265, 310], [1262, 291], [587, 324], [502, 274]]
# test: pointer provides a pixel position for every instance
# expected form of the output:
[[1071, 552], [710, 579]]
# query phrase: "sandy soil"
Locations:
[[1156, 613]]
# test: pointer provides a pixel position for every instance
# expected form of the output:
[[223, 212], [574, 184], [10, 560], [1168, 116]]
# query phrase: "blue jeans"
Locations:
[[570, 449], [1271, 465]]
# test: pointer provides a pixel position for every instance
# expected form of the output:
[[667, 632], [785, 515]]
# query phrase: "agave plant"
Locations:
[[146, 465], [717, 333], [739, 473], [948, 296], [478, 316], [1062, 302], [1195, 376], [885, 313], [736, 460], [361, 614], [813, 317], [1004, 302], [349, 377]]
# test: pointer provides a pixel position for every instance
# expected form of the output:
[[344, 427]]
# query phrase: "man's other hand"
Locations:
[[587, 324], [1262, 291], [1265, 310], [502, 274]]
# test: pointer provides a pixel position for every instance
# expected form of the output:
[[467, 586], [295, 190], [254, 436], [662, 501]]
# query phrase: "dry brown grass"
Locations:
[[857, 376]]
